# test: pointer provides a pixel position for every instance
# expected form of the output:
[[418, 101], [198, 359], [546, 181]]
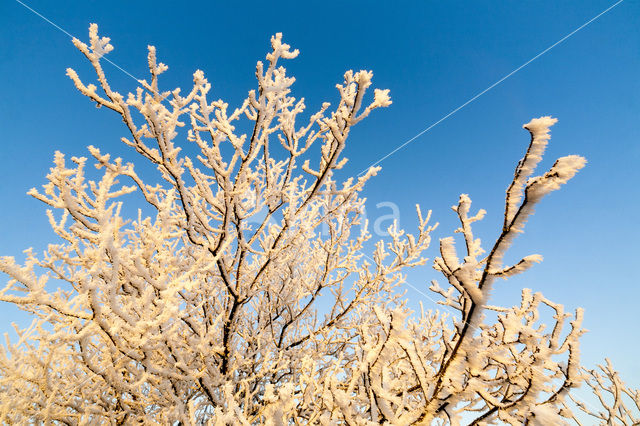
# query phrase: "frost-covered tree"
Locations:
[[242, 292]]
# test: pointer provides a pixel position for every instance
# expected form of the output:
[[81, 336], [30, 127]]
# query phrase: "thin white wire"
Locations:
[[489, 88], [72, 36]]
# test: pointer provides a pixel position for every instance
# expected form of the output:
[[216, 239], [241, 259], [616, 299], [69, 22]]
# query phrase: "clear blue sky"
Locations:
[[433, 55]]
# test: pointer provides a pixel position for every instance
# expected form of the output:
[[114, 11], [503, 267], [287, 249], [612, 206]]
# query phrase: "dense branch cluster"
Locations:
[[241, 294]]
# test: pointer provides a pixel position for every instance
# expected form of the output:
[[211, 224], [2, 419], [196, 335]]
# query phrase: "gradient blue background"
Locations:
[[434, 56]]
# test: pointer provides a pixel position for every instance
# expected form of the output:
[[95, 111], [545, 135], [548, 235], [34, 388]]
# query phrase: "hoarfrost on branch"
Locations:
[[224, 303]]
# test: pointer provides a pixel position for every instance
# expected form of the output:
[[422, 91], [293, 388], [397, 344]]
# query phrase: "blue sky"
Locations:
[[433, 56]]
